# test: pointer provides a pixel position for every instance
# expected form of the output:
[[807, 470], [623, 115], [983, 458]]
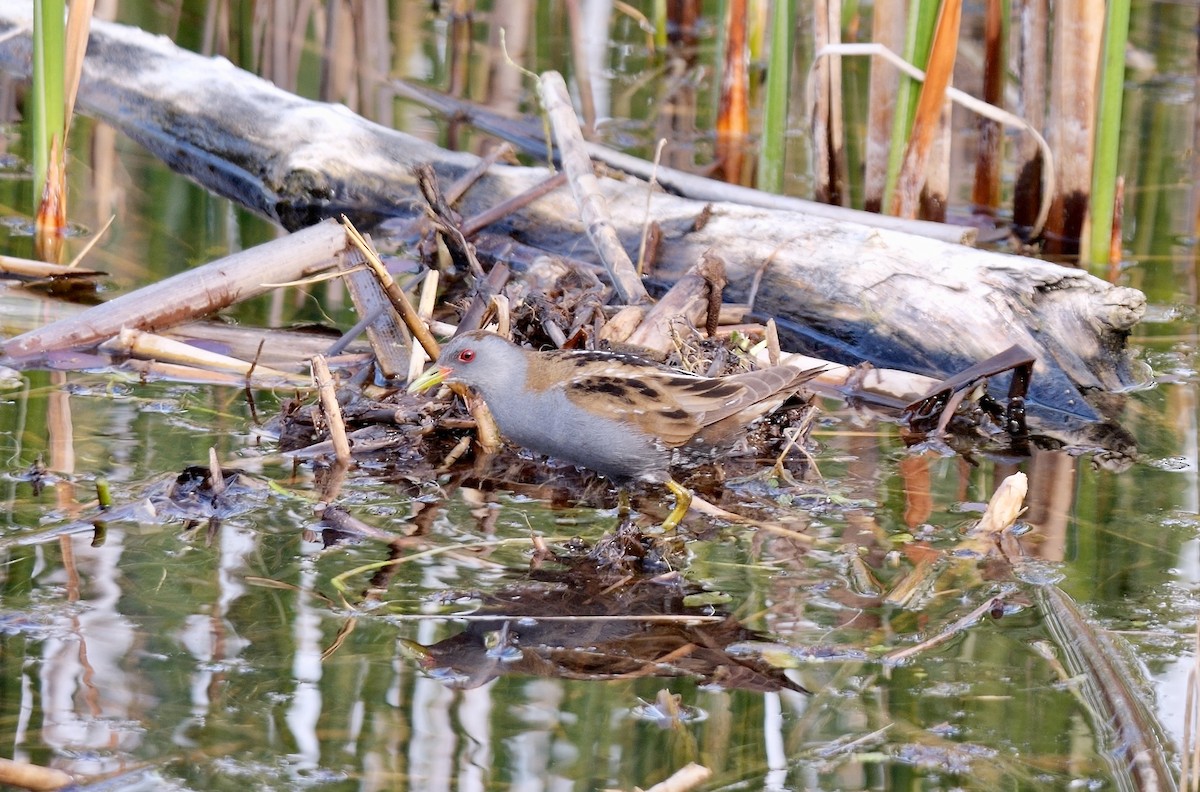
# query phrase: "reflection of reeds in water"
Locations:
[[1189, 779]]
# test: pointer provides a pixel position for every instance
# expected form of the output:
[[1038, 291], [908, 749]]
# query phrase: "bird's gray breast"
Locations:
[[549, 423]]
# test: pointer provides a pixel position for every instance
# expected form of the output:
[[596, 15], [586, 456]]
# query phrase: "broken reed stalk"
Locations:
[[772, 159], [216, 476], [148, 346], [473, 225], [61, 59], [382, 323], [887, 28], [930, 107], [1078, 31], [395, 294], [425, 306], [825, 108], [934, 194], [592, 208], [461, 18], [33, 270], [1108, 136], [1030, 23], [332, 410], [689, 298], [446, 220], [733, 109], [463, 183], [985, 191]]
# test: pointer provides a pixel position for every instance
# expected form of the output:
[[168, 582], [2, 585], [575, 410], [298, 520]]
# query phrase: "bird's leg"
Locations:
[[683, 501], [622, 505]]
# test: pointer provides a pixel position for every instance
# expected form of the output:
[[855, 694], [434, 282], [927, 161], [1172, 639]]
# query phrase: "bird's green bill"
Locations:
[[432, 377]]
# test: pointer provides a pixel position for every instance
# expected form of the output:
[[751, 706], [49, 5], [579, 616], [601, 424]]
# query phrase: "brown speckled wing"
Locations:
[[649, 401], [721, 398], [658, 401], [673, 407]]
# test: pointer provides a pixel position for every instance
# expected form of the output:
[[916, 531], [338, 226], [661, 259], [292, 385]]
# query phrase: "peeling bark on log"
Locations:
[[849, 291]]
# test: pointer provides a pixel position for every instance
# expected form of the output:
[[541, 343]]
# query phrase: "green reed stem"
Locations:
[[48, 120], [773, 150], [1108, 131], [918, 39]]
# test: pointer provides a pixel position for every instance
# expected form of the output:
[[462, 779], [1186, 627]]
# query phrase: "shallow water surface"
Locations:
[[172, 644]]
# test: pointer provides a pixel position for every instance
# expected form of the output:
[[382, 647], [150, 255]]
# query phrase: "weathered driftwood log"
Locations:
[[853, 292], [191, 294]]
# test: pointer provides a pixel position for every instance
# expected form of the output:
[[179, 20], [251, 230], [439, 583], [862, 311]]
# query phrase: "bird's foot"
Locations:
[[683, 501]]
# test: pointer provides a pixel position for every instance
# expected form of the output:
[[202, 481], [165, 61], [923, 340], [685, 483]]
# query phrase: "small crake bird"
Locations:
[[617, 414]]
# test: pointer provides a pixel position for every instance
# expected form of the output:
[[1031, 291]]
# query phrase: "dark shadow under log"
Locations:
[[847, 290]]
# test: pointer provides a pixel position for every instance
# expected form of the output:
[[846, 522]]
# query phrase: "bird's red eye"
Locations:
[[467, 355]]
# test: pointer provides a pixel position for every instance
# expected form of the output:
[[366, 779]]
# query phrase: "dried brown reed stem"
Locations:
[[461, 20], [641, 260], [78, 22], [216, 476], [1078, 34], [1029, 60], [930, 106], [459, 187], [825, 108], [473, 225], [446, 220], [985, 191]]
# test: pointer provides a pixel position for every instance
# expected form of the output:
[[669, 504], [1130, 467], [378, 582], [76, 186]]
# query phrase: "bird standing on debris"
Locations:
[[617, 414]]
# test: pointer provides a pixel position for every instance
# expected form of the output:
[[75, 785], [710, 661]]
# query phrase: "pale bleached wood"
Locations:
[[192, 294], [586, 188]]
